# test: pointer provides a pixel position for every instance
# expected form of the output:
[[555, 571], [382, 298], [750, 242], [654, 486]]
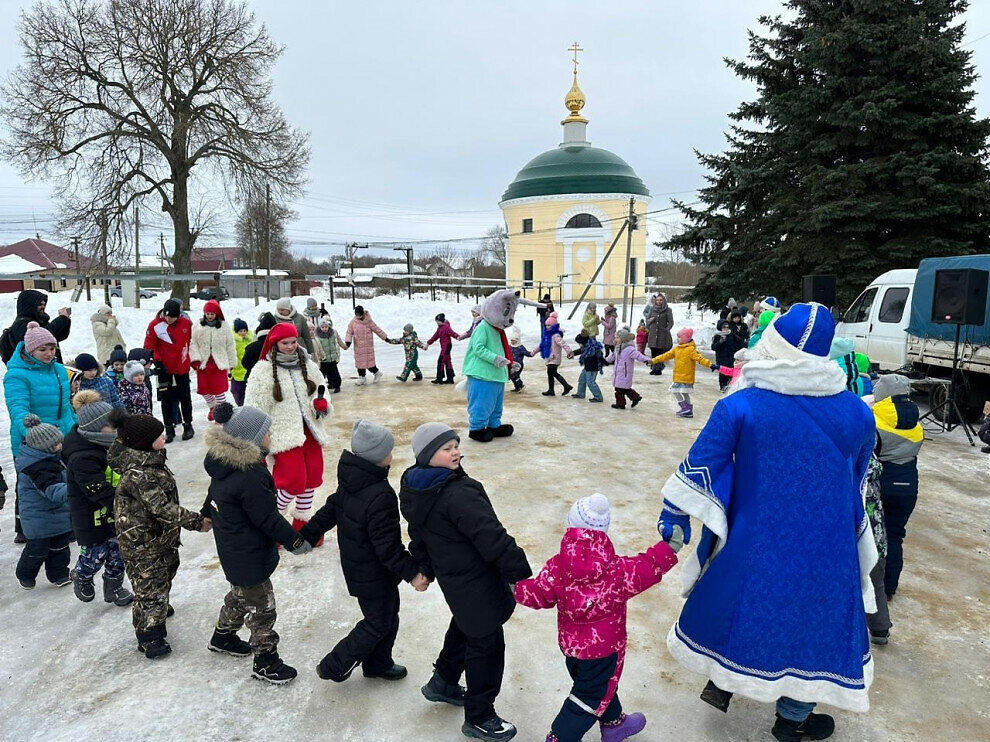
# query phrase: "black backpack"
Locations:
[[7, 347]]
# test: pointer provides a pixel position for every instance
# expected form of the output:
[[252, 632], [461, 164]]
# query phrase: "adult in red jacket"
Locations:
[[168, 337]]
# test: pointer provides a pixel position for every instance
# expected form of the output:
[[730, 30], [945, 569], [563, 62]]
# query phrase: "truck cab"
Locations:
[[877, 320]]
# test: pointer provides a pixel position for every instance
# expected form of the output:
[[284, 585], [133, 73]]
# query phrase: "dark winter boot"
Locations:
[[482, 436], [228, 642], [82, 587], [439, 690], [187, 431], [327, 671], [494, 729], [622, 728], [115, 592], [567, 390], [715, 696], [169, 433], [270, 668], [816, 726], [880, 638], [152, 643], [502, 431], [395, 672]]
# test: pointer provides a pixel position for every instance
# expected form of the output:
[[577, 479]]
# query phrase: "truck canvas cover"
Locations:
[[921, 324]]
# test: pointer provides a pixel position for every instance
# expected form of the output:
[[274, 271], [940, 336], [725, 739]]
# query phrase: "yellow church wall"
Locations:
[[556, 251]]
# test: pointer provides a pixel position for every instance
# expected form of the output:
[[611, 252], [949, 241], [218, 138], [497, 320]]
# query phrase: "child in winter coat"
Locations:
[[365, 511], [685, 356], [766, 317], [91, 485], [590, 585], [115, 364], [609, 317], [519, 355], [445, 334], [284, 386], [592, 360], [456, 535], [145, 358], [134, 392], [247, 526], [148, 519], [44, 506], [624, 358], [642, 335], [213, 354], [410, 343], [591, 321], [730, 337], [361, 331], [238, 374], [552, 348], [90, 377], [475, 321], [331, 344]]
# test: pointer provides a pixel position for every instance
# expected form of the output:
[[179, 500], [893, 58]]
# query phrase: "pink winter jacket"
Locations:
[[359, 331]]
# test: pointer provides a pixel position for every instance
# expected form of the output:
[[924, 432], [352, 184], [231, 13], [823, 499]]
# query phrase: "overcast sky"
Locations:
[[422, 113]]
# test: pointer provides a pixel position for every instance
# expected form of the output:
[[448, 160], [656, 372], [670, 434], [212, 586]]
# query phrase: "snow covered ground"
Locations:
[[70, 670]]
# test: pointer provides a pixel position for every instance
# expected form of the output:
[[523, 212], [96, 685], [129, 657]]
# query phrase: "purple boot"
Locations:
[[622, 728], [685, 410]]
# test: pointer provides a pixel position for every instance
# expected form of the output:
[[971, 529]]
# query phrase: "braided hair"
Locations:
[[277, 385]]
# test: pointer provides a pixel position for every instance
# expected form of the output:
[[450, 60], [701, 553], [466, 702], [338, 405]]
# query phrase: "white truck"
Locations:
[[891, 322]]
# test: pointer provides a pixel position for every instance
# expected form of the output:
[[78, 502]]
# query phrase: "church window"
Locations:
[[527, 274], [527, 225], [582, 221]]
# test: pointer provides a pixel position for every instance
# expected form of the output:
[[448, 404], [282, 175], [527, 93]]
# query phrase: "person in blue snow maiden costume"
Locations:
[[779, 586], [488, 363]]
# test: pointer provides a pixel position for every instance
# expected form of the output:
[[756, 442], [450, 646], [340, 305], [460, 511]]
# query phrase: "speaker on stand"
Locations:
[[959, 298]]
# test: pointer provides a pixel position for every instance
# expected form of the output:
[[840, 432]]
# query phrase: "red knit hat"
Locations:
[[281, 331], [213, 306]]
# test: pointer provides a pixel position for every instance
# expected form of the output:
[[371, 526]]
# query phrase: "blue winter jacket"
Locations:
[[106, 388], [42, 493], [31, 386]]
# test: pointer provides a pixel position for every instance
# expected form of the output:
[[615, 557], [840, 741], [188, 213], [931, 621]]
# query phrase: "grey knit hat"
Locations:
[[310, 303], [407, 328], [891, 385], [132, 369], [371, 441], [93, 416], [246, 423], [428, 439], [41, 436]]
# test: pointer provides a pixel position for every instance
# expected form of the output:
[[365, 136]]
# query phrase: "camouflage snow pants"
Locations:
[[151, 576], [253, 606]]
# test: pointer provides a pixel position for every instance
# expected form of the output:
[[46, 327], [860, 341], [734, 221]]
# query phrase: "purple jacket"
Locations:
[[445, 334], [625, 361]]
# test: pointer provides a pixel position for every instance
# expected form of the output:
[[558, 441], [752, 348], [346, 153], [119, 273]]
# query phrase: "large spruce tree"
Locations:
[[861, 153]]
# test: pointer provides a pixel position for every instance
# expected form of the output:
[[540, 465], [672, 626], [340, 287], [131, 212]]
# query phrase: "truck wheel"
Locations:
[[970, 404]]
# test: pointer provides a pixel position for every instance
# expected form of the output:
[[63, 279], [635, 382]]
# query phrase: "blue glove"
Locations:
[[715, 369], [670, 519]]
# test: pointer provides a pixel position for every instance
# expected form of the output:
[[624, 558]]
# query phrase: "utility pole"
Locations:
[[268, 240], [137, 259], [409, 266], [631, 225], [252, 256], [351, 249], [560, 286]]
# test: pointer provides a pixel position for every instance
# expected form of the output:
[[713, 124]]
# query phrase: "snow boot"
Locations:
[[494, 729], [115, 592], [715, 696], [502, 431], [400, 378], [153, 645], [270, 668], [438, 380], [395, 672], [618, 407], [378, 376], [816, 726], [636, 401], [880, 638], [622, 728], [209, 415], [169, 433], [326, 671], [687, 409], [439, 690], [82, 587], [549, 393], [26, 584], [228, 642], [361, 381], [62, 580], [567, 390], [482, 436], [187, 431]]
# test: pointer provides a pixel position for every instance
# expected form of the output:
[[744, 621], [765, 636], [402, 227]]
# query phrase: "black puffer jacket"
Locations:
[[366, 512], [27, 311], [241, 501], [91, 488], [474, 559]]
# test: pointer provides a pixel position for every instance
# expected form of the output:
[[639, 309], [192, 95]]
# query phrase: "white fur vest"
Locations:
[[296, 405], [217, 342]]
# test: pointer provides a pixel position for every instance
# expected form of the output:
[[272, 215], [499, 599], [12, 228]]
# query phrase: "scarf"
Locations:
[[506, 350], [321, 334], [286, 360], [100, 438], [591, 348], [546, 342]]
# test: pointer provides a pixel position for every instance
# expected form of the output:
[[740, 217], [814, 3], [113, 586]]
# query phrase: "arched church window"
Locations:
[[582, 221]]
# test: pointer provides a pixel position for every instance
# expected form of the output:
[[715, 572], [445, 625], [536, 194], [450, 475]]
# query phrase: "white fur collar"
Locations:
[[806, 377]]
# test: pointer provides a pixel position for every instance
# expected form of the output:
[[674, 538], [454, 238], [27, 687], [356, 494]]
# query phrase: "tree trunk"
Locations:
[[184, 238]]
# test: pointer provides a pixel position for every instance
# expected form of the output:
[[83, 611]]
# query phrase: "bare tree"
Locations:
[[493, 246], [117, 100], [252, 233]]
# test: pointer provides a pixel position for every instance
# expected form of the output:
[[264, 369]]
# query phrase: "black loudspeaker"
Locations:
[[960, 297], [820, 289]]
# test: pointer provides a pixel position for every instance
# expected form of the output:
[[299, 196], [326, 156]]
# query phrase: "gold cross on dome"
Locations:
[[575, 48]]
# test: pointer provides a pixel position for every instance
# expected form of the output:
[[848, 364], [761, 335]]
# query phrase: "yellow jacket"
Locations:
[[685, 355]]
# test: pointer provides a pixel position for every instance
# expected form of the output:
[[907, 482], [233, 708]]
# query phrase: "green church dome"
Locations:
[[575, 169]]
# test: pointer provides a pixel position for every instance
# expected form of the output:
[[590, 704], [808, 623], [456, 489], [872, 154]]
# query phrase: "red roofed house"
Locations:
[[216, 259], [51, 260]]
